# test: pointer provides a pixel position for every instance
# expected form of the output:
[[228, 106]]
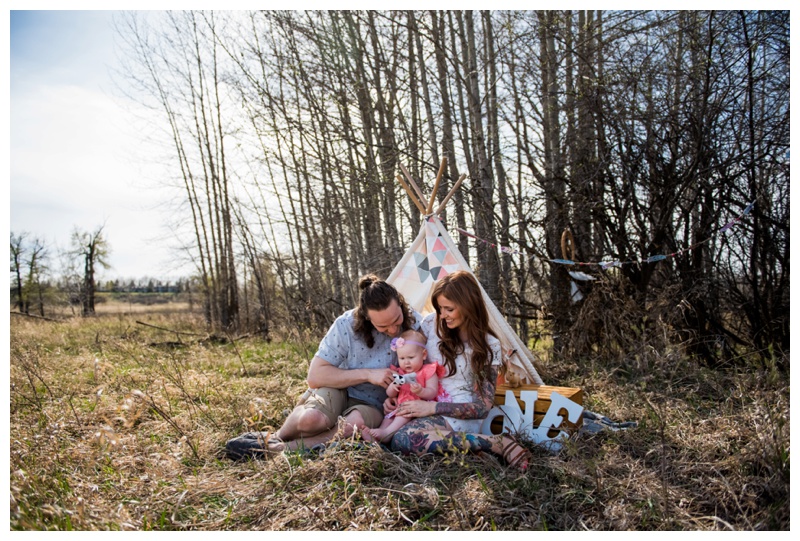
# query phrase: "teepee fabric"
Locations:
[[431, 257]]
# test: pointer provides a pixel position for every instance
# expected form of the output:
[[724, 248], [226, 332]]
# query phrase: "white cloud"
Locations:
[[77, 159]]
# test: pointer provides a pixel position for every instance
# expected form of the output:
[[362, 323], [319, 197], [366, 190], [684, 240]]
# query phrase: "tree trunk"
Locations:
[[555, 192], [482, 178]]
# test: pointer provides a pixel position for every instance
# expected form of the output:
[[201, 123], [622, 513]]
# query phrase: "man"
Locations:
[[347, 377]]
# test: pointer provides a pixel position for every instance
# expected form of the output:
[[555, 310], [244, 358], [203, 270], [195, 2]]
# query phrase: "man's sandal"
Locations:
[[515, 455]]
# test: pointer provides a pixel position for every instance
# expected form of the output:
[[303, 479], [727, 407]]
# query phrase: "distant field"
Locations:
[[140, 306], [125, 303]]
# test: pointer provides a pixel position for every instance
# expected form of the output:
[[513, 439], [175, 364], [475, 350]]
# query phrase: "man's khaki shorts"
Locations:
[[335, 403]]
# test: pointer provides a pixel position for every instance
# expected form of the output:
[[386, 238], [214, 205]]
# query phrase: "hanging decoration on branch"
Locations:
[[607, 264], [568, 253]]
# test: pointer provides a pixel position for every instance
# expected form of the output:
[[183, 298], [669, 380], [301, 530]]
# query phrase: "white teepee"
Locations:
[[432, 256]]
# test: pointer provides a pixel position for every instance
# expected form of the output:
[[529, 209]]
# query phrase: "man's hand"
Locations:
[[381, 376], [321, 373], [389, 405]]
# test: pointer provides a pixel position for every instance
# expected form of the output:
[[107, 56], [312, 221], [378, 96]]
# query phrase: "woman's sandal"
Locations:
[[515, 455]]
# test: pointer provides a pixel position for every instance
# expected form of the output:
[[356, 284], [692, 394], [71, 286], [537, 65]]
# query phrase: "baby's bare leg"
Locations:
[[366, 434]]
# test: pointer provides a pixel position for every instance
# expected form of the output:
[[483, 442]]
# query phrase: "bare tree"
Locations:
[[17, 255], [92, 249], [37, 268], [176, 66], [554, 182]]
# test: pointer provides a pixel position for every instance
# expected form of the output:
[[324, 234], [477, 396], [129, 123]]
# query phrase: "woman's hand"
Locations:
[[416, 408]]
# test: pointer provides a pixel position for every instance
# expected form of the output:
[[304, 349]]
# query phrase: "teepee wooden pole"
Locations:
[[436, 186], [411, 195], [452, 192], [413, 184]]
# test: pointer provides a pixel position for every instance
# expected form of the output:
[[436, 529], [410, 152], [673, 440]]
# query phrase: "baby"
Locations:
[[411, 355]]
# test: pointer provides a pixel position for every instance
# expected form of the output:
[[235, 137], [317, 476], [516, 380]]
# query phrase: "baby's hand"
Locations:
[[416, 388]]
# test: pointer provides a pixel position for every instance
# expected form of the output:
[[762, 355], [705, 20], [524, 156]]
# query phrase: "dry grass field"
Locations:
[[121, 426]]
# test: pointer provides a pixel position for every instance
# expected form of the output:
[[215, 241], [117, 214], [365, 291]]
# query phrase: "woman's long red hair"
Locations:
[[462, 289]]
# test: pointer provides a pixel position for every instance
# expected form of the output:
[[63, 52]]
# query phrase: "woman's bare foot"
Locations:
[[515, 455]]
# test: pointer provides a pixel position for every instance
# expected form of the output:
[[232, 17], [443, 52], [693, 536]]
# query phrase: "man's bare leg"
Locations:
[[301, 430], [303, 422]]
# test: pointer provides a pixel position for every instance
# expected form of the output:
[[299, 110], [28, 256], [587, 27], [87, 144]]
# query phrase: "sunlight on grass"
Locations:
[[120, 426]]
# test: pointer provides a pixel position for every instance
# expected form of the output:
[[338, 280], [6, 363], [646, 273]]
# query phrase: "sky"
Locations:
[[77, 157]]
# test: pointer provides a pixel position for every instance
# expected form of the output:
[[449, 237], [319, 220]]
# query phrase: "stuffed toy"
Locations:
[[400, 379]]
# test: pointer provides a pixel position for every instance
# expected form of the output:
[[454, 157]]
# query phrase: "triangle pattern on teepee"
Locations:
[[448, 259], [404, 272], [432, 256]]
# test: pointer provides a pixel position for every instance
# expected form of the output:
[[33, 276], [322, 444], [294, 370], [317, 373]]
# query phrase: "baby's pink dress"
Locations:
[[423, 374]]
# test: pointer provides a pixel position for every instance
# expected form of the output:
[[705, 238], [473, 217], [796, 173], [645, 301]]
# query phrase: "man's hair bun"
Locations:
[[367, 281]]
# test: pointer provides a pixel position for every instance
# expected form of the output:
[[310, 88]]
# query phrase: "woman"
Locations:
[[460, 339]]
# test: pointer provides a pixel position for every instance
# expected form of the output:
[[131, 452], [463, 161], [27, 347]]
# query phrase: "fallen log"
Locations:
[[35, 316]]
